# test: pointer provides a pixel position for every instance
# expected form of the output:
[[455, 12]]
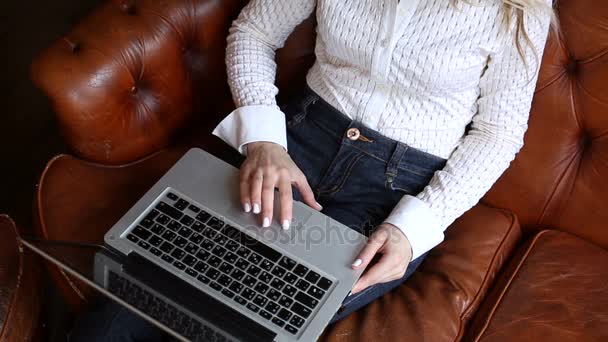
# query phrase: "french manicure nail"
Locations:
[[319, 206], [357, 263], [285, 224], [266, 222], [256, 208], [247, 207]]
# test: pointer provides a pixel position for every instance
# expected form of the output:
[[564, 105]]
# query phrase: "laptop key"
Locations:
[[254, 258], [285, 301], [143, 244], [202, 255], [141, 233], [191, 272], [167, 258], [272, 307], [196, 238], [265, 277], [240, 300], [152, 214], [324, 283], [215, 286], [315, 292], [185, 232], [277, 283], [278, 322], [260, 300], [201, 266], [243, 252], [301, 310], [212, 273], [180, 242], [300, 270], [203, 216], [219, 251], [306, 300], [273, 294], [232, 246], [169, 235], [198, 226], [287, 263], [297, 321], [163, 219], [215, 223], [203, 279], [242, 264], [169, 210], [179, 265], [261, 288], [291, 329], [194, 208], [284, 314], [146, 223], [236, 286], [231, 257], [226, 268], [228, 293], [289, 290], [265, 314], [237, 274], [191, 248], [189, 260], [181, 204], [155, 241], [249, 281], [224, 280], [157, 229], [220, 239], [278, 271], [302, 284], [312, 276], [252, 307], [132, 238], [186, 220], [172, 196], [207, 244], [248, 294], [266, 265], [178, 254], [174, 226], [156, 251], [290, 278], [254, 270], [214, 261]]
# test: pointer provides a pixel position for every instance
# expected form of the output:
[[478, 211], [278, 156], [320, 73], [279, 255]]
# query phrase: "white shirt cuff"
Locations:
[[251, 124], [419, 224]]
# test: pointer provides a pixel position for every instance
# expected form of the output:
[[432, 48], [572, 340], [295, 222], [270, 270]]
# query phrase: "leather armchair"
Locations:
[[138, 81]]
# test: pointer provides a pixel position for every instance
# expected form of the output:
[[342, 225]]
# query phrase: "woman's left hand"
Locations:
[[396, 252]]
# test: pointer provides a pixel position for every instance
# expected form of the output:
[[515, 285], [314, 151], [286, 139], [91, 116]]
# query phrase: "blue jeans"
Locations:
[[357, 181]]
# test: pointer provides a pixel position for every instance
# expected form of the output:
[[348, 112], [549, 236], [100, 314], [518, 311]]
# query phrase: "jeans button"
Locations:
[[353, 134]]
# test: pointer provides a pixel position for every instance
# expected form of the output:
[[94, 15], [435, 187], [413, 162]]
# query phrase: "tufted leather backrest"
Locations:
[[560, 178], [130, 75]]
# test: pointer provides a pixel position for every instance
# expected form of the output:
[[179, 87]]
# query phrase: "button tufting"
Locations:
[[134, 90], [353, 134], [128, 7]]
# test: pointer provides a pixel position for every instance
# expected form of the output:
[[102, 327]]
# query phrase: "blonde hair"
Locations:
[[516, 10]]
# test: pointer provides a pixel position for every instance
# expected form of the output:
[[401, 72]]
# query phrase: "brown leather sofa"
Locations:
[[137, 82], [20, 288]]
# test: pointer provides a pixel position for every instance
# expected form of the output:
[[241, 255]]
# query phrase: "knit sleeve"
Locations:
[[261, 28], [496, 135]]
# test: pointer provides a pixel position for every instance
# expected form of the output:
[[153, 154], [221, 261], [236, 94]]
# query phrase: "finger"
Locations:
[[255, 182], [375, 275], [245, 193], [270, 180], [374, 243], [286, 198], [306, 192]]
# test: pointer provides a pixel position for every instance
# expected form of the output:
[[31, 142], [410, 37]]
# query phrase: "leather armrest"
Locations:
[[20, 287], [131, 74]]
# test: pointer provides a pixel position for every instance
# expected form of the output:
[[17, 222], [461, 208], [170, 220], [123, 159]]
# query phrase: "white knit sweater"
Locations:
[[418, 71]]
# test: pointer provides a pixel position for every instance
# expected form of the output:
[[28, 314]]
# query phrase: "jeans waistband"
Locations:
[[396, 154]]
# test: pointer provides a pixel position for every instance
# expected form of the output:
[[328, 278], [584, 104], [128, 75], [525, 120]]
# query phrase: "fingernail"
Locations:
[[266, 222], [319, 206], [256, 208], [285, 224], [247, 207], [357, 263]]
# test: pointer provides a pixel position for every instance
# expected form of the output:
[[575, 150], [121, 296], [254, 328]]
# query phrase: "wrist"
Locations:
[[252, 147], [401, 236]]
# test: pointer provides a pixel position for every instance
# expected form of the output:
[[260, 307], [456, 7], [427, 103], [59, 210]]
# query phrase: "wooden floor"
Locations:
[[29, 136]]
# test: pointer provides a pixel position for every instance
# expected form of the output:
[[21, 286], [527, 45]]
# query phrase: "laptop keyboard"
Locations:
[[234, 264], [162, 311]]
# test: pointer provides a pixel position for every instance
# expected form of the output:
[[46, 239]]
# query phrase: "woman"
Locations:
[[413, 110]]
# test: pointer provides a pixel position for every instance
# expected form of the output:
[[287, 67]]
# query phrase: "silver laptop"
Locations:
[[190, 227]]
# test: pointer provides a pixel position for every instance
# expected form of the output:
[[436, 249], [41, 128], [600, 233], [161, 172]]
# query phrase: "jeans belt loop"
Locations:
[[393, 164]]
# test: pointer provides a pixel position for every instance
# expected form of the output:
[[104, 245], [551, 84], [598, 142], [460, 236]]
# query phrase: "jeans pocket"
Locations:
[[410, 182]]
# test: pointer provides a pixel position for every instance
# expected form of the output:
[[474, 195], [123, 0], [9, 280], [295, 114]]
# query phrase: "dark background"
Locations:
[[29, 135]]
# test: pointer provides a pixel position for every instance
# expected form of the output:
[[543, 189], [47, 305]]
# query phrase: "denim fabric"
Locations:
[[358, 183]]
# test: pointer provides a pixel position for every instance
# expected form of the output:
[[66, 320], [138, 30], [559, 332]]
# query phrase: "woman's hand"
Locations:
[[396, 252], [268, 166]]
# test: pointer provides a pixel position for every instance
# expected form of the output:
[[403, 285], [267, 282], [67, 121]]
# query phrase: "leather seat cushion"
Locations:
[[555, 290], [81, 200]]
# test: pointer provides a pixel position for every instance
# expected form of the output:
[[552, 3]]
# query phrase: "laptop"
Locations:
[[269, 284]]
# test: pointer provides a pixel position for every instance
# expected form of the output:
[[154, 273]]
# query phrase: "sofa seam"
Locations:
[[508, 285], [477, 295]]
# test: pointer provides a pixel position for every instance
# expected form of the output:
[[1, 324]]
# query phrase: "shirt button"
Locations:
[[353, 134]]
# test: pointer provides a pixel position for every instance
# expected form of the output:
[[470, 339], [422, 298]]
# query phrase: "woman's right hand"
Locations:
[[268, 166]]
